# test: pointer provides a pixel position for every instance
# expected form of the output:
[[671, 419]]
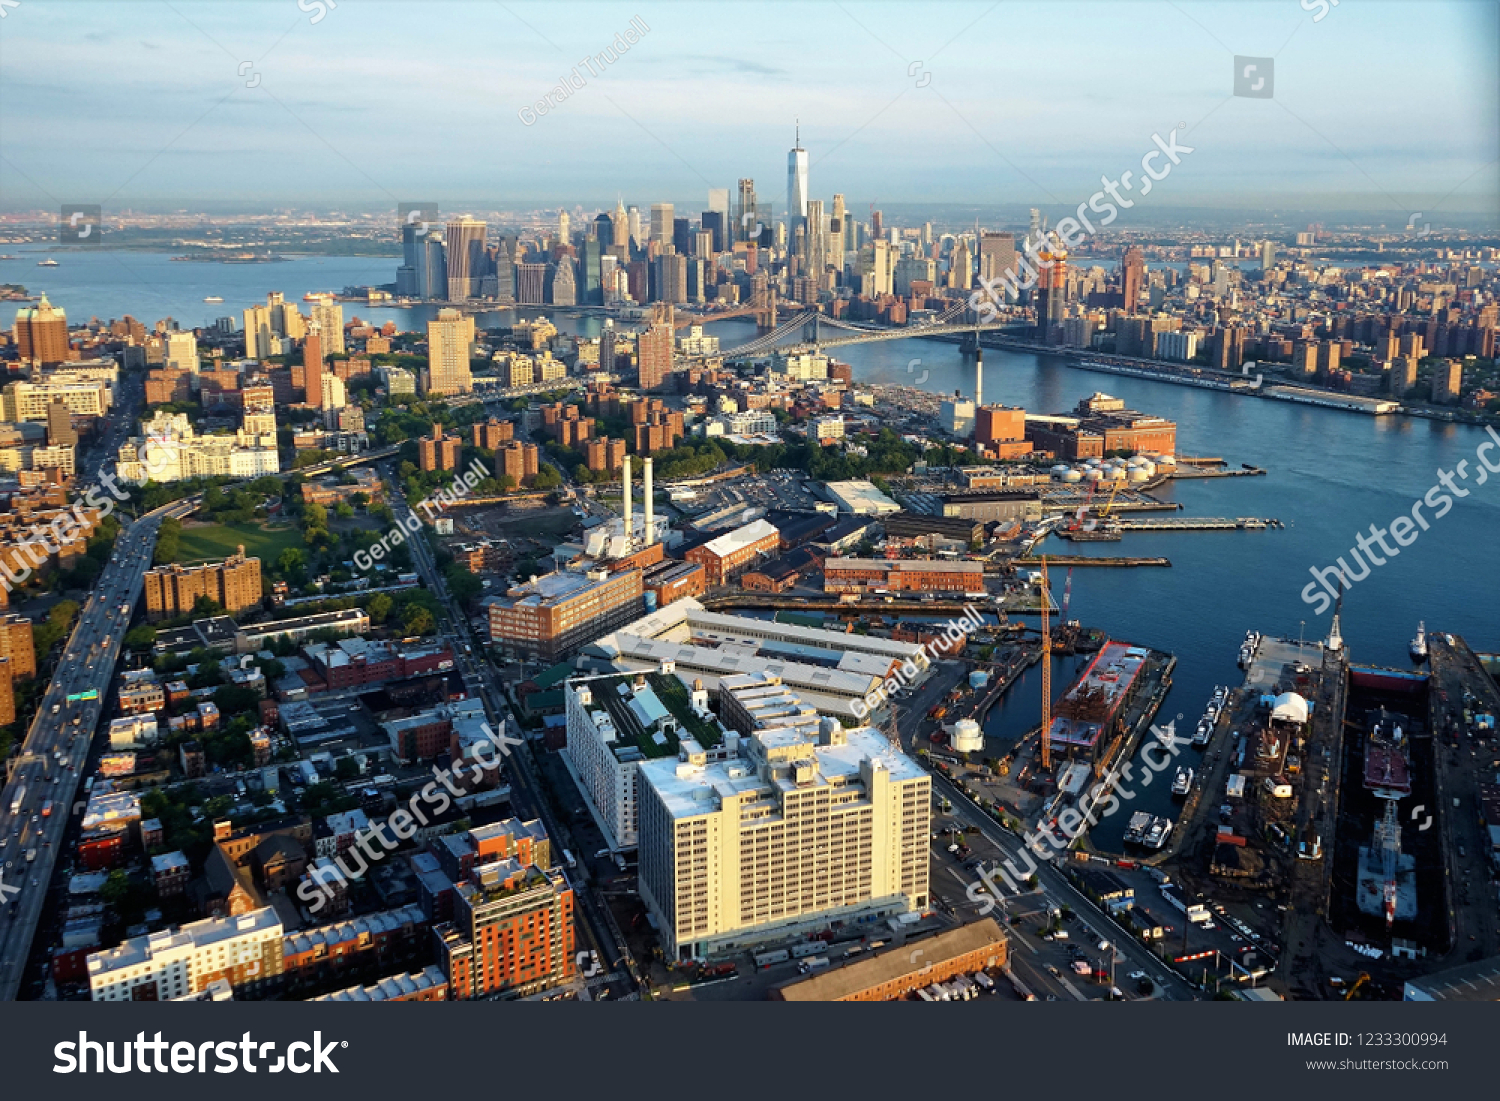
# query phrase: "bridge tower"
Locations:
[[765, 309], [810, 331]]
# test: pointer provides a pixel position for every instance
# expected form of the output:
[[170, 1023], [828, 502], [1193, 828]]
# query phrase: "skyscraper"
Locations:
[[432, 268], [590, 289], [329, 318], [746, 213], [633, 221], [1267, 255], [465, 242], [817, 239], [961, 266], [1132, 277], [838, 238], [448, 341], [563, 227], [312, 368], [604, 231], [258, 332], [661, 223], [654, 348], [620, 222], [1052, 295], [997, 255], [796, 186], [406, 274], [41, 334]]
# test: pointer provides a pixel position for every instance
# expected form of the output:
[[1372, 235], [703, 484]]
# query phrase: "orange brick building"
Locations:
[[730, 554], [234, 583], [439, 451]]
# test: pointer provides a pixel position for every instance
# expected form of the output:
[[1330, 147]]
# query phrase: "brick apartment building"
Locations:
[[518, 460], [439, 451], [233, 583], [512, 931], [493, 433]]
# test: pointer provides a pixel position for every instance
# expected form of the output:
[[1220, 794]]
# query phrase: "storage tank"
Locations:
[[967, 737], [1093, 474], [1139, 474], [1060, 470], [1115, 474], [650, 596], [979, 678], [1073, 476]]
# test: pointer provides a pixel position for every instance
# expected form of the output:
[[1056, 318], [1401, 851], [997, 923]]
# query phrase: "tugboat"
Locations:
[[1204, 732], [1182, 783], [1135, 831], [1419, 644]]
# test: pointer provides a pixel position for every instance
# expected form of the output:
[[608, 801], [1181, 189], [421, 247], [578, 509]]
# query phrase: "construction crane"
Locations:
[[1113, 489], [1046, 670], [1364, 977]]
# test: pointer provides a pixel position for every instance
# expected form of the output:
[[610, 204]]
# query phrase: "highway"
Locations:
[[43, 791], [479, 680]]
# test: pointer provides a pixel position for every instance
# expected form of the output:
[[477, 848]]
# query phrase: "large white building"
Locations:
[[328, 318], [181, 352], [84, 397], [450, 336], [617, 722], [798, 830], [244, 950], [171, 451]]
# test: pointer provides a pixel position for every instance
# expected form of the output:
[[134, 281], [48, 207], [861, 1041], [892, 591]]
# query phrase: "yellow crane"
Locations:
[[1046, 670], [1364, 977], [1113, 489]]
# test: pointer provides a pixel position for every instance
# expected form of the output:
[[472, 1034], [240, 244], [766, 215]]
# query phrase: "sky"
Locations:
[[1384, 105]]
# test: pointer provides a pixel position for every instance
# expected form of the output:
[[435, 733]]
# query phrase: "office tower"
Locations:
[[816, 239], [604, 231], [449, 339], [1052, 296], [714, 872], [328, 317], [682, 235], [531, 284], [432, 268], [505, 268], [718, 203], [961, 266], [60, 431], [41, 334], [1035, 226], [877, 224], [406, 274], [1447, 381], [1132, 275], [258, 332], [563, 286], [661, 223], [182, 353], [716, 225], [620, 227], [880, 270], [997, 255], [312, 369], [796, 185], [591, 290], [838, 243], [1267, 255], [746, 213], [465, 242], [633, 222], [563, 227]]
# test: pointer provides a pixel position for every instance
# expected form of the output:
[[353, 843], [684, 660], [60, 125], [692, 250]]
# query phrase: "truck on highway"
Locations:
[[47, 809], [19, 800], [31, 854]]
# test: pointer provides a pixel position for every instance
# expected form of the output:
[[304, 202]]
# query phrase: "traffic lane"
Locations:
[[1059, 890]]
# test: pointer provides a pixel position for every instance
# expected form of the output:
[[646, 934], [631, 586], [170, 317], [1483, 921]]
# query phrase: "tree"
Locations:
[[344, 511], [546, 477], [291, 561], [168, 539], [379, 608], [141, 638], [418, 621]]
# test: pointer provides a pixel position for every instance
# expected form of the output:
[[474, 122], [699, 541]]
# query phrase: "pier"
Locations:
[[1084, 560], [1197, 523]]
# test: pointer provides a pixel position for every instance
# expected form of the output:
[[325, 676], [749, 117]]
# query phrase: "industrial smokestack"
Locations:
[[625, 474], [646, 489], [978, 376]]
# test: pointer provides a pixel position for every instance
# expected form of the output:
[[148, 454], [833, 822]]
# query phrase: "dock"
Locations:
[[1198, 523], [1055, 560]]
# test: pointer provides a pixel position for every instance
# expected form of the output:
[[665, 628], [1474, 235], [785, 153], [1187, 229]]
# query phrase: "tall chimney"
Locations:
[[646, 489], [978, 376], [625, 476]]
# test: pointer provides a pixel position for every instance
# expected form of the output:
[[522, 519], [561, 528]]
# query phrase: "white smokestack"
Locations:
[[625, 474], [646, 488]]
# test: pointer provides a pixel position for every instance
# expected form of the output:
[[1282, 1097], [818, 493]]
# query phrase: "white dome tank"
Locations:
[[1060, 470], [967, 737], [1093, 474], [1139, 474], [1072, 476]]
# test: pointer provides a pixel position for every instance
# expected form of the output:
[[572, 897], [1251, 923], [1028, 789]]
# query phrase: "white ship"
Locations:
[[1419, 644], [213, 298], [1182, 783], [1158, 833], [1135, 831]]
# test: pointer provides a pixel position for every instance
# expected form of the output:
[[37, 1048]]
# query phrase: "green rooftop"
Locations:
[[673, 696]]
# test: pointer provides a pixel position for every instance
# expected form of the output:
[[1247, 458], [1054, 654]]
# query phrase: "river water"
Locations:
[[1332, 474]]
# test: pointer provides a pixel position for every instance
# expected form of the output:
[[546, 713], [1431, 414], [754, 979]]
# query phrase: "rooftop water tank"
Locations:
[[967, 737]]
